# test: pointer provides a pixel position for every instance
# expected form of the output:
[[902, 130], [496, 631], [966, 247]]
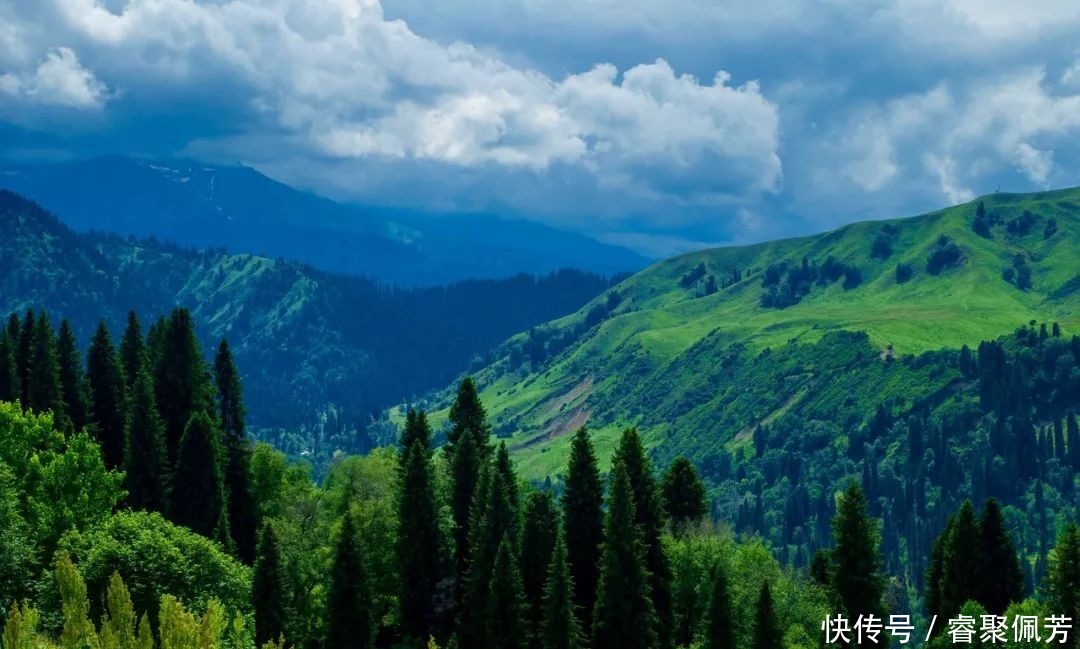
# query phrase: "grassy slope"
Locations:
[[654, 329]]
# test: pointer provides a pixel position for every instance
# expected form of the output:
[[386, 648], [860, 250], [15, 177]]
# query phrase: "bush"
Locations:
[[946, 254], [903, 272]]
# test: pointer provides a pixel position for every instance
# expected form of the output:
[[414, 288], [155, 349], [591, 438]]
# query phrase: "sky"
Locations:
[[662, 125]]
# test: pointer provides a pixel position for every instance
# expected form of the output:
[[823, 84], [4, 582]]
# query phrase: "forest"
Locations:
[[136, 512]]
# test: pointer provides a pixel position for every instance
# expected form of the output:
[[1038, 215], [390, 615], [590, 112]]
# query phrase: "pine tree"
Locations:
[[936, 569], [132, 349], [624, 617], [198, 494], [419, 543], [145, 471], [1064, 578], [9, 378], [24, 354], [719, 623], [583, 522], [75, 387], [504, 466], [467, 416], [559, 626], [108, 396], [649, 514], [506, 628], [962, 577], [540, 528], [684, 494], [856, 575], [465, 467], [181, 380], [243, 518], [268, 590], [349, 620], [1003, 578], [766, 630], [44, 391], [417, 429]]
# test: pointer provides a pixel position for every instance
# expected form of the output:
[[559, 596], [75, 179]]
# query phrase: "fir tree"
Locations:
[[73, 381], [145, 471], [935, 570], [648, 510], [465, 467], [44, 391], [467, 416], [1064, 578], [349, 620], [9, 378], [243, 518], [132, 349], [181, 381], [719, 632], [419, 543], [268, 592], [1003, 578], [766, 630], [583, 522], [108, 396], [24, 354], [198, 494], [540, 528], [624, 617], [417, 429], [856, 575], [506, 628], [684, 494], [559, 626], [962, 577], [504, 466]]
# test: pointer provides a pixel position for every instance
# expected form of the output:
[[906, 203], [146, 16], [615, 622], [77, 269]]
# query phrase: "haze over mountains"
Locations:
[[202, 205]]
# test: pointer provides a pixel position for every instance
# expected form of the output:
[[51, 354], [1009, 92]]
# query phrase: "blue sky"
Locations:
[[661, 125]]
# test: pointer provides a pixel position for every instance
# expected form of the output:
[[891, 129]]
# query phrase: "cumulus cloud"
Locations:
[[59, 80]]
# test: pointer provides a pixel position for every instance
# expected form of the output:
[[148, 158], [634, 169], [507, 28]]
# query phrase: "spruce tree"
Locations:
[[467, 416], [583, 522], [419, 544], [684, 494], [349, 620], [1003, 578], [962, 577], [648, 510], [181, 380], [935, 571], [559, 626], [24, 354], [108, 396], [268, 590], [9, 379], [132, 349], [73, 381], [540, 529], [506, 627], [1064, 578], [243, 517], [465, 467], [504, 466], [44, 391], [624, 617], [719, 631], [856, 571], [198, 493], [766, 629], [417, 429], [145, 470]]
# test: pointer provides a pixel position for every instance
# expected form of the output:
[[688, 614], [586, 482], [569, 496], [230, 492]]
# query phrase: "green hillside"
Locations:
[[653, 350]]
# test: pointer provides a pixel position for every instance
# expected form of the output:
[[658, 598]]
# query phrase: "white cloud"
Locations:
[[59, 80]]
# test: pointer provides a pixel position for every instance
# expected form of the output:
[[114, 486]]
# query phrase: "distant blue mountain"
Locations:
[[236, 207]]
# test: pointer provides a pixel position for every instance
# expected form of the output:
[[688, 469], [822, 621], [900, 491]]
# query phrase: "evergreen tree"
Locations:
[[962, 577], [467, 416], [198, 494], [936, 570], [540, 529], [559, 626], [268, 589], [419, 543], [766, 630], [719, 629], [648, 510], [417, 429], [504, 466], [44, 391], [145, 470], [465, 467], [24, 354], [684, 494], [132, 349], [624, 617], [856, 575], [1003, 578], [583, 522], [73, 381], [108, 396], [243, 518], [1064, 578], [506, 628], [349, 620], [9, 378], [181, 381]]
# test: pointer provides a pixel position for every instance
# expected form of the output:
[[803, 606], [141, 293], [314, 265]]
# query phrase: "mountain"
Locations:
[[307, 342], [202, 205]]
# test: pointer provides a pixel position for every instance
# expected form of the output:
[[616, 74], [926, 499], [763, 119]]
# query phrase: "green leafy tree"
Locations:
[[198, 493], [132, 349], [719, 631], [624, 617], [73, 383], [349, 622], [1003, 578], [268, 588], [146, 472], [17, 549], [856, 564], [243, 514], [559, 626], [505, 624], [766, 629], [684, 494], [109, 396], [583, 522], [540, 529], [419, 543]]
